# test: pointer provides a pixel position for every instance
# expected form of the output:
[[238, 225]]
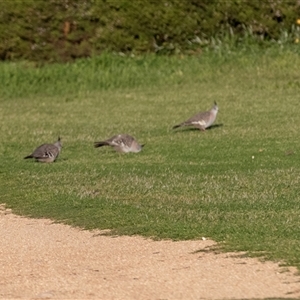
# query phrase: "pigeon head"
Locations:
[[216, 108], [58, 144]]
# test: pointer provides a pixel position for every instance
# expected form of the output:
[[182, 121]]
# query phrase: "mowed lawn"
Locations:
[[236, 183]]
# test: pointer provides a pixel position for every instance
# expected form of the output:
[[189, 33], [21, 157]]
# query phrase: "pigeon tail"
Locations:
[[177, 126], [100, 144]]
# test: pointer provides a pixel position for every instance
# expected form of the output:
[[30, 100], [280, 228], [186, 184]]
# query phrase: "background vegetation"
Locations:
[[63, 30]]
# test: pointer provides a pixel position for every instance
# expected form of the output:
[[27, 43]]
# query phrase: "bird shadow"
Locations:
[[214, 126], [196, 129]]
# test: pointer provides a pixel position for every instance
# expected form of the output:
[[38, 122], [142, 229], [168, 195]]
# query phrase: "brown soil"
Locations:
[[43, 260]]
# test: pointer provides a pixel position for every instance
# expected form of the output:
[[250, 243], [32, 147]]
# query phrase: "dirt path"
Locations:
[[42, 260]]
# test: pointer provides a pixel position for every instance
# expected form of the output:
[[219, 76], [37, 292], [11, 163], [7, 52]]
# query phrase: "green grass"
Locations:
[[237, 183]]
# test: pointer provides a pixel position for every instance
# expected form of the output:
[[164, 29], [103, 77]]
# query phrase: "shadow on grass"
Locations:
[[182, 129]]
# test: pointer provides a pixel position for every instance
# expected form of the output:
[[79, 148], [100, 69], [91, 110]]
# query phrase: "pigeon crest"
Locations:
[[201, 120], [122, 143], [46, 153]]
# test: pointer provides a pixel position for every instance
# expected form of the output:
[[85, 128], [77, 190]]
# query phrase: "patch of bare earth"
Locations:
[[43, 260]]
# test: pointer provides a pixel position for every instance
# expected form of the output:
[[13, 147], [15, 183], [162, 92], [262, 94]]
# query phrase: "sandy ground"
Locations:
[[43, 260]]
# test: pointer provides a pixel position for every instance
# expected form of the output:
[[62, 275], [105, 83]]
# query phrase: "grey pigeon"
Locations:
[[201, 120], [47, 152], [123, 143]]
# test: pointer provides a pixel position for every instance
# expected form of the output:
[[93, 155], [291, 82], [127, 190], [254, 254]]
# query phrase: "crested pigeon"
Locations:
[[47, 152], [123, 143], [201, 120]]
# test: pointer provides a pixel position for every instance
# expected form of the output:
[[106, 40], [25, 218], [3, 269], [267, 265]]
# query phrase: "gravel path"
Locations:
[[43, 260]]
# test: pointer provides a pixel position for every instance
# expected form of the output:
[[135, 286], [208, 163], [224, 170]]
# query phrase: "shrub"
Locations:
[[62, 30]]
